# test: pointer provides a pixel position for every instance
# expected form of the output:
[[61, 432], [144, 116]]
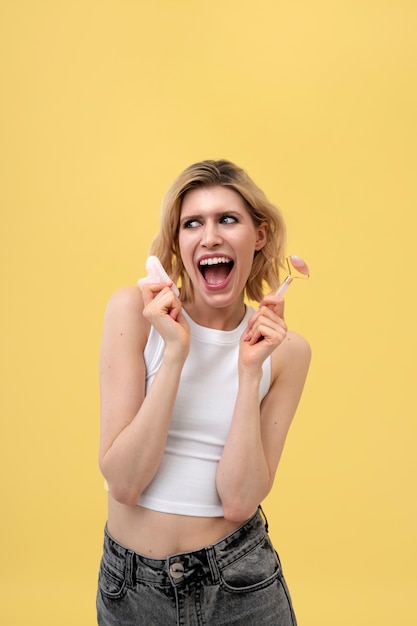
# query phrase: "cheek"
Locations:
[[246, 247], [181, 244], [185, 249]]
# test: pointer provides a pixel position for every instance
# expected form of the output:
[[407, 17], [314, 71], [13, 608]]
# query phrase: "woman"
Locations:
[[198, 393]]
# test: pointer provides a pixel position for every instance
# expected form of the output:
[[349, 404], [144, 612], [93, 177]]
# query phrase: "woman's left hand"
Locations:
[[265, 331]]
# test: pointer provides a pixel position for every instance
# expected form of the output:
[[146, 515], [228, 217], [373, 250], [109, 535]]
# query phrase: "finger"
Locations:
[[269, 303], [150, 290], [267, 315], [276, 303], [270, 336], [175, 311], [269, 326], [255, 320]]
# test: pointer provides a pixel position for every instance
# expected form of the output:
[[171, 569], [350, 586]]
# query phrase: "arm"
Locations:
[[257, 435], [134, 426]]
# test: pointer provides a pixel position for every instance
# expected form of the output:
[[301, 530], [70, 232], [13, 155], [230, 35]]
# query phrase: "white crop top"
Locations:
[[185, 483]]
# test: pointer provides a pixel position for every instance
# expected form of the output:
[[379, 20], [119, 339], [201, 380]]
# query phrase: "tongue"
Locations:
[[216, 274]]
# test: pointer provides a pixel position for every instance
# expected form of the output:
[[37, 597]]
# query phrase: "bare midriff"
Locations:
[[158, 535]]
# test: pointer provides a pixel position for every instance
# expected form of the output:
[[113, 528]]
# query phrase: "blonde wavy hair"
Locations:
[[267, 261]]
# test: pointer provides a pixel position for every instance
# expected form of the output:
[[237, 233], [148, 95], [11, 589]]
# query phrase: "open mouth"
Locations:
[[215, 270]]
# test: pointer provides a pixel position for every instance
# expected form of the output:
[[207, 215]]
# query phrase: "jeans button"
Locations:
[[176, 570]]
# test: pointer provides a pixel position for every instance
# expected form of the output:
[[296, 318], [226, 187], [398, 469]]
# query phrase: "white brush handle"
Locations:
[[156, 274]]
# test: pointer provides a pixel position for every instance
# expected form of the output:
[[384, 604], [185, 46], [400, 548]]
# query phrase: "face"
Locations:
[[218, 240]]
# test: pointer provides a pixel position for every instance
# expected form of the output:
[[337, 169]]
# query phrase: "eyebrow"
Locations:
[[201, 216]]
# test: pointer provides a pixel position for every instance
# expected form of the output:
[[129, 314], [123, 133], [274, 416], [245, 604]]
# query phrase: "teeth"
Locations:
[[215, 260]]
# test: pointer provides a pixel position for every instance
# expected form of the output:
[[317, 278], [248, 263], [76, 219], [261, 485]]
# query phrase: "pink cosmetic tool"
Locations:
[[301, 268], [157, 274]]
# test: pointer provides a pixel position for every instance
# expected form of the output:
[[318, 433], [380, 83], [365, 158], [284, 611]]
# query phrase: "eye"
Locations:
[[191, 224], [227, 219]]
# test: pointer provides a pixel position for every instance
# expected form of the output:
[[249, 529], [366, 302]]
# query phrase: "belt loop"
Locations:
[[129, 568], [212, 561], [264, 517]]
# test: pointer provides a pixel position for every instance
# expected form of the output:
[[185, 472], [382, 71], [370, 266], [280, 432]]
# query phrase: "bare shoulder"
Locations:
[[296, 344], [126, 299], [125, 302], [124, 314], [293, 355]]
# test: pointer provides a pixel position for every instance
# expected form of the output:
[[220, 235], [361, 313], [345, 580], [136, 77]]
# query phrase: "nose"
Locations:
[[211, 235]]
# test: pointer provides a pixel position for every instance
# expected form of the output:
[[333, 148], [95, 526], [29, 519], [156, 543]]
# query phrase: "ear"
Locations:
[[261, 235]]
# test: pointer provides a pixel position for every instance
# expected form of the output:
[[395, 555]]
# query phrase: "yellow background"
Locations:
[[103, 103]]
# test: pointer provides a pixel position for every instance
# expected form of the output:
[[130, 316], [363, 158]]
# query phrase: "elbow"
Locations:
[[125, 496], [240, 509], [238, 513], [119, 489]]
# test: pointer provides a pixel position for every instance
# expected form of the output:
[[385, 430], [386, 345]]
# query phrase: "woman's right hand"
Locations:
[[163, 309]]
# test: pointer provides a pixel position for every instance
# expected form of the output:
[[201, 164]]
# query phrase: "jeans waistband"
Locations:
[[178, 568]]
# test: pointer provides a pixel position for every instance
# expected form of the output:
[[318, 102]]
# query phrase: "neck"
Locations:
[[227, 318]]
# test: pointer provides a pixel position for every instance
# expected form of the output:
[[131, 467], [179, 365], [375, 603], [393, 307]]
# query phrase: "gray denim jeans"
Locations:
[[237, 580]]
